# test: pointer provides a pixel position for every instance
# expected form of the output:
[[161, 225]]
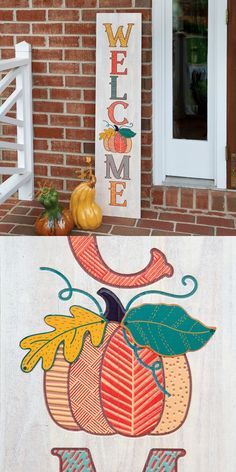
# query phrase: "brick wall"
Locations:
[[62, 34]]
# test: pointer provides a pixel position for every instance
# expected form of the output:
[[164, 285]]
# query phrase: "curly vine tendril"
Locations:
[[66, 293], [153, 368], [184, 282]]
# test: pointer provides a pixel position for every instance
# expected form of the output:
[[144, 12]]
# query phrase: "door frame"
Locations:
[[159, 93]]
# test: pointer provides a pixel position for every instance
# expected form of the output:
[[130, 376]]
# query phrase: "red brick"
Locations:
[[157, 196], [65, 94], [48, 107], [123, 231], [47, 28], [112, 220], [89, 121], [66, 146], [81, 108], [19, 219], [186, 198], [39, 67], [156, 232], [218, 201], [47, 3], [78, 81], [47, 80], [213, 221], [66, 120], [63, 15], [231, 201], [30, 15], [6, 41], [172, 196], [149, 214], [47, 55], [35, 41], [177, 217], [110, 3], [15, 28], [50, 132], [6, 15], [64, 68], [202, 199], [79, 55], [66, 172], [40, 144], [6, 228], [64, 41], [80, 28], [194, 229], [14, 3], [153, 224], [40, 119], [24, 230], [40, 170], [39, 93], [225, 232], [89, 42], [80, 134], [89, 95], [81, 3], [48, 158]]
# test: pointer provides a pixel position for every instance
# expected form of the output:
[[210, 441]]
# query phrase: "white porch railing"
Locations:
[[21, 177]]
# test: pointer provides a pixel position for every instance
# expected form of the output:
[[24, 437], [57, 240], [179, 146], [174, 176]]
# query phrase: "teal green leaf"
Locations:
[[166, 329], [127, 133]]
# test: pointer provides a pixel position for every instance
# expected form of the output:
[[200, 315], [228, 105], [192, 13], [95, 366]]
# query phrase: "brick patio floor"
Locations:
[[18, 217]]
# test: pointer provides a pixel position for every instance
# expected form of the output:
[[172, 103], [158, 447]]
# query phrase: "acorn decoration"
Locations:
[[54, 220], [86, 213]]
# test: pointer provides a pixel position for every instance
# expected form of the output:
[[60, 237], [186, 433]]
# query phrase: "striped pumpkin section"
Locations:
[[87, 254], [84, 380], [56, 393], [178, 384], [131, 400]]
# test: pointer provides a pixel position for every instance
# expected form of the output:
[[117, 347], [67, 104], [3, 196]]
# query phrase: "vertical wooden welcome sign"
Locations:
[[118, 114]]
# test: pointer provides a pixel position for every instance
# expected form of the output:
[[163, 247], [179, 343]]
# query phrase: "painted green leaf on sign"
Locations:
[[127, 133], [166, 329]]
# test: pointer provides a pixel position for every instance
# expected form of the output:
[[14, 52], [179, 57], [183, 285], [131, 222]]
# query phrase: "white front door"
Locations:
[[189, 91]]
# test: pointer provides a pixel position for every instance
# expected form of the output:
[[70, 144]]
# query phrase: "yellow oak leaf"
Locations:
[[69, 330], [107, 133]]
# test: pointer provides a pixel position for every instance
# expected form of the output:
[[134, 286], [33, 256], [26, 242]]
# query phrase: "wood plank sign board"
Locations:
[[119, 357], [118, 114]]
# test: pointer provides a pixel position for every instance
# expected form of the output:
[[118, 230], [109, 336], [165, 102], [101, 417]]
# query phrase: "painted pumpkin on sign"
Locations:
[[117, 139], [129, 376], [108, 391]]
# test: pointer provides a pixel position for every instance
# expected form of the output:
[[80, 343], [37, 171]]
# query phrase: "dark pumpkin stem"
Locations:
[[115, 311]]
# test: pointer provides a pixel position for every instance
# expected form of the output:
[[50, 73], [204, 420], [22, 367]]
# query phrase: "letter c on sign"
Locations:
[[87, 254], [111, 113]]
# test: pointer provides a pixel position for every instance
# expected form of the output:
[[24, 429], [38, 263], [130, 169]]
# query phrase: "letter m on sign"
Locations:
[[80, 460]]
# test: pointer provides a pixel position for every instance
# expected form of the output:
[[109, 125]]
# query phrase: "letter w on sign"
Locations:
[[80, 460]]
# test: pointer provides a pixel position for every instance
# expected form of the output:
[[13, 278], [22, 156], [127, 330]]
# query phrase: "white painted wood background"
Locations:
[[27, 432], [130, 84]]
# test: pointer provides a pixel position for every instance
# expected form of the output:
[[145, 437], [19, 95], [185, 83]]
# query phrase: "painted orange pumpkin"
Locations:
[[117, 139], [108, 391]]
